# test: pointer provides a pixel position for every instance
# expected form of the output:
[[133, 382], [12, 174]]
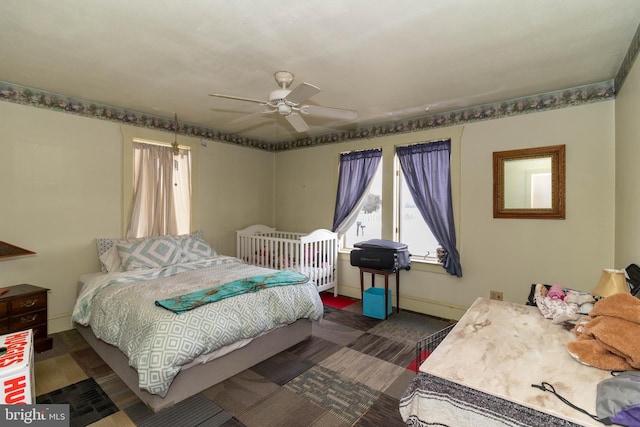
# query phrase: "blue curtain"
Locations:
[[356, 170], [426, 168]]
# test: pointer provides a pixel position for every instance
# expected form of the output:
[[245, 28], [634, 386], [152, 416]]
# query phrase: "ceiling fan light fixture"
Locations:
[[283, 109]]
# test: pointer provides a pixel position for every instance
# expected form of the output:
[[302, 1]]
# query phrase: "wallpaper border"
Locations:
[[558, 99]]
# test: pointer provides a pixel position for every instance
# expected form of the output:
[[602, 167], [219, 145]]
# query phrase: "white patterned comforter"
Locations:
[[120, 309]]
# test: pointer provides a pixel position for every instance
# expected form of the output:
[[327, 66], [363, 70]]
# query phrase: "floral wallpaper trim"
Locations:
[[547, 101], [551, 100], [42, 99], [627, 62]]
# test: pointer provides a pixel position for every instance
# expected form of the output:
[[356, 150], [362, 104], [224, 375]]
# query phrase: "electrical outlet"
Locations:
[[497, 295]]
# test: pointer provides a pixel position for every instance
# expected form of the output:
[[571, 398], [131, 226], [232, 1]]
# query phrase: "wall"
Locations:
[[628, 171], [502, 254], [63, 186]]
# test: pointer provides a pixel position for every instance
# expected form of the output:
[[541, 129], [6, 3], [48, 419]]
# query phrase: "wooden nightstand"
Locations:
[[25, 307]]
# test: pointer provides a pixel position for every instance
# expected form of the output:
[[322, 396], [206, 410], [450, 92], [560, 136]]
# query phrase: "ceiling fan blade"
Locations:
[[239, 98], [251, 116], [301, 93], [330, 113], [297, 122]]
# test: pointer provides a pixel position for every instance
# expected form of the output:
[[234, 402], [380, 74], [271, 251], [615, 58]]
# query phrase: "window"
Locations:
[[161, 190], [427, 169], [368, 224], [411, 228], [424, 163]]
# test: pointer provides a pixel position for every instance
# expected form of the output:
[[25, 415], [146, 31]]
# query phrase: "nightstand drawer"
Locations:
[[20, 322], [25, 307], [28, 303]]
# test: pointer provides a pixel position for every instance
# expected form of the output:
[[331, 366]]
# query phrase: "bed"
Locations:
[[482, 373], [126, 315], [313, 254]]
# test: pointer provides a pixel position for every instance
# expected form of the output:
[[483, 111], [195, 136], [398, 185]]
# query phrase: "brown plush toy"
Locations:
[[609, 340]]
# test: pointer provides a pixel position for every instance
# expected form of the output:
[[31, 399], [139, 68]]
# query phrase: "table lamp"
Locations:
[[611, 282]]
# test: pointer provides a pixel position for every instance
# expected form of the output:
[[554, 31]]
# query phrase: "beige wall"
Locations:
[[628, 171], [62, 186], [501, 254]]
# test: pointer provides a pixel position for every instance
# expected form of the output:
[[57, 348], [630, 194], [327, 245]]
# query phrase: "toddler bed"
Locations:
[[314, 254], [166, 353]]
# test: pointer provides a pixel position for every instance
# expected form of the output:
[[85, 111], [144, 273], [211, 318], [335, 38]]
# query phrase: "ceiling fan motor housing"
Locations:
[[278, 96]]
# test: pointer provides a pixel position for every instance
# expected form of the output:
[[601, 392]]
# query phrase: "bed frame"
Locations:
[[313, 254], [200, 377]]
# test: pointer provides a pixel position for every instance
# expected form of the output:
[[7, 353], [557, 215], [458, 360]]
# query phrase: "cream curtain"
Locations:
[[182, 191], [162, 191]]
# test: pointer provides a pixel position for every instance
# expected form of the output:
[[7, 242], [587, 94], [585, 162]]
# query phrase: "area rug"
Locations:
[[87, 402], [336, 302], [195, 411], [347, 399]]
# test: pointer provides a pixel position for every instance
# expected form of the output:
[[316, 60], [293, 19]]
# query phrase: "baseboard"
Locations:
[[419, 305], [60, 323]]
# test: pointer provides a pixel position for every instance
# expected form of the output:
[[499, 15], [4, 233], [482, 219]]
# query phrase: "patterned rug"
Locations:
[[87, 402], [351, 372], [198, 410]]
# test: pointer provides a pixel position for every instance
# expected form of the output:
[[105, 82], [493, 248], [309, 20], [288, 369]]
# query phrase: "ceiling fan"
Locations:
[[288, 103]]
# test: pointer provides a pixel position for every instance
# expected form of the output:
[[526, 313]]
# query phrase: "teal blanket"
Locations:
[[184, 303]]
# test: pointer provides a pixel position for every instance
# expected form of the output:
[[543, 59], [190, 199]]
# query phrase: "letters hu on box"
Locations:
[[16, 368]]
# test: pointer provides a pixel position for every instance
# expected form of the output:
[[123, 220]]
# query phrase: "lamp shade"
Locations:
[[611, 282]]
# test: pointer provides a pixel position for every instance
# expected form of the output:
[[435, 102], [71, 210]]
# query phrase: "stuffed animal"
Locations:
[[556, 292]]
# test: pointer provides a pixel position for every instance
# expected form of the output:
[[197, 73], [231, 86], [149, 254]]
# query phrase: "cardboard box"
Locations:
[[373, 303], [16, 368]]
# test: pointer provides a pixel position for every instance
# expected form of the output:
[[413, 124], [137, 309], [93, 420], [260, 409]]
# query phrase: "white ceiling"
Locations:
[[389, 60]]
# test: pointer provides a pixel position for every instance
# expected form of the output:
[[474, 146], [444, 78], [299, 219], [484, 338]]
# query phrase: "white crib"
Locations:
[[314, 254]]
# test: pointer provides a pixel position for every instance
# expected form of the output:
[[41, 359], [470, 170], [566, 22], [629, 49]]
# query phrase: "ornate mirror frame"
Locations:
[[557, 210]]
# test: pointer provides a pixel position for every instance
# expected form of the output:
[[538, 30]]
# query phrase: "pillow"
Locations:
[[195, 248], [110, 260], [149, 253], [182, 237], [103, 246]]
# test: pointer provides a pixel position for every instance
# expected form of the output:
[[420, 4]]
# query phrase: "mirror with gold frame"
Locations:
[[529, 183]]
